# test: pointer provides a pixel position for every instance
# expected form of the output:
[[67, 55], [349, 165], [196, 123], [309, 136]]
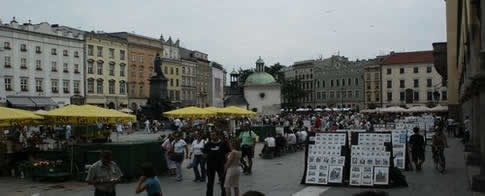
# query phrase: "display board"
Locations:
[[399, 143], [370, 159], [326, 159]]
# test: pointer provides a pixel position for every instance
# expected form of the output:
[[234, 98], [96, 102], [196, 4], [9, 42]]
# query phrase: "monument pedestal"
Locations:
[[158, 101]]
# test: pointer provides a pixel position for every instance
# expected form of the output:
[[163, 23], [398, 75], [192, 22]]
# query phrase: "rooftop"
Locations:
[[408, 57]]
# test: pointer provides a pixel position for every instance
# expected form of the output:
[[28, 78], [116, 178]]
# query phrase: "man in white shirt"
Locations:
[[147, 127], [269, 145]]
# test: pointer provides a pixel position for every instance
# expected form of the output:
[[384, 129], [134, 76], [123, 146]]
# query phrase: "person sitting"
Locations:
[[269, 146], [280, 144]]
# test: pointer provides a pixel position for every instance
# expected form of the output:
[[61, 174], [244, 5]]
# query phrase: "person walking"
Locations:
[[149, 182], [215, 152], [167, 147], [248, 143], [232, 169], [147, 127], [179, 151], [417, 145], [104, 175], [198, 160]]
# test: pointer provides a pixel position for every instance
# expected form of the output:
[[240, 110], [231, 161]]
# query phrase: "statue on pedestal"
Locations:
[[158, 66]]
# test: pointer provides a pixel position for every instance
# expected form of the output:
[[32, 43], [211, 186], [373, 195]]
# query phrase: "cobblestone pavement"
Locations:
[[275, 177]]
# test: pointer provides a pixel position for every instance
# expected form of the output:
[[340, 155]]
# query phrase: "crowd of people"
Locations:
[[212, 150]]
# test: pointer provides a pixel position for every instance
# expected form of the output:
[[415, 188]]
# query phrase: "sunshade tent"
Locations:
[[126, 110], [233, 111], [213, 109], [190, 112], [393, 109], [440, 108], [86, 114], [419, 109], [13, 117]]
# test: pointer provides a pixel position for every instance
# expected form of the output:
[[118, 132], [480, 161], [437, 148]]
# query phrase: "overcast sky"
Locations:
[[235, 32]]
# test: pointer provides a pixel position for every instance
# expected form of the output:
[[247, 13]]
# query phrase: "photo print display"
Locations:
[[335, 174], [381, 175]]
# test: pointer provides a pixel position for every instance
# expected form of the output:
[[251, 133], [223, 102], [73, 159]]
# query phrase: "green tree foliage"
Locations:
[[292, 91], [244, 74]]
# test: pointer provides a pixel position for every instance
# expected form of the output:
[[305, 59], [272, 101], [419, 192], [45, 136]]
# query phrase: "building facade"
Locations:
[[410, 79], [141, 53], [172, 69], [203, 77], [40, 65], [106, 68], [262, 92], [189, 78], [303, 71], [339, 83], [216, 85], [372, 77]]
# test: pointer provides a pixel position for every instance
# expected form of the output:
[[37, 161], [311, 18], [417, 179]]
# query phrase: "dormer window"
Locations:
[[6, 45], [23, 47], [37, 50], [65, 53]]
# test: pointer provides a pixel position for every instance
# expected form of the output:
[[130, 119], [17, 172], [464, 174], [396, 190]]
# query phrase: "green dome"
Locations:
[[259, 78]]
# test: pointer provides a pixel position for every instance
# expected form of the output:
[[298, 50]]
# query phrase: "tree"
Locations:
[[275, 71], [244, 74], [291, 91]]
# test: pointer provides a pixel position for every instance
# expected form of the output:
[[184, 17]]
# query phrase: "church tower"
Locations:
[[260, 65]]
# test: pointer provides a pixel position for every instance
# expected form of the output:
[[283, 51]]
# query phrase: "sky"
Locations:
[[235, 33]]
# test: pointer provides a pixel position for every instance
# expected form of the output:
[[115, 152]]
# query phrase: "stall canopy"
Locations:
[[233, 111], [440, 108], [394, 109], [190, 112], [86, 114], [419, 109], [30, 102], [213, 109], [12, 117], [318, 110], [126, 110]]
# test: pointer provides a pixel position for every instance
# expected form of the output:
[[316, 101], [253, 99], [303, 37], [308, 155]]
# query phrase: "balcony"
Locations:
[[23, 67], [55, 91]]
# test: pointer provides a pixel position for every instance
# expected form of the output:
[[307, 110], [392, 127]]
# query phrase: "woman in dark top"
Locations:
[[417, 144]]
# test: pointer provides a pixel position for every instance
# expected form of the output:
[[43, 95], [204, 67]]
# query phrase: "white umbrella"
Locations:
[[419, 109], [40, 111], [301, 109], [395, 109], [126, 110], [368, 111], [327, 109], [318, 110], [439, 108]]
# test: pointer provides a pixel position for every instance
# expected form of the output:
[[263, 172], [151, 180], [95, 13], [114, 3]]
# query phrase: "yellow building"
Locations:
[[172, 69], [106, 71]]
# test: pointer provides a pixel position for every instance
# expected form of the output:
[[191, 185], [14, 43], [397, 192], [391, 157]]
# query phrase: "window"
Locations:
[[429, 82], [368, 76], [377, 97], [389, 71], [111, 69], [368, 85], [402, 96], [444, 82], [416, 95], [177, 95], [141, 72], [100, 51], [183, 70], [141, 59], [389, 84], [356, 82], [122, 55], [171, 70], [377, 85], [349, 81], [368, 97], [65, 53], [8, 83], [37, 50], [38, 65], [166, 70], [171, 95], [122, 87], [338, 82], [343, 82], [111, 87], [350, 94], [38, 85], [55, 86], [401, 70], [24, 84], [23, 63], [76, 54], [141, 90], [176, 82], [344, 94], [6, 45], [429, 96], [53, 51], [429, 69], [54, 66], [444, 95], [90, 85], [324, 95], [122, 70], [65, 86], [100, 68], [99, 86], [90, 50], [416, 83], [356, 94], [90, 68], [323, 83], [332, 94], [331, 83], [177, 71], [401, 84], [416, 70], [389, 96], [7, 62], [111, 53], [133, 57], [377, 76], [76, 68], [66, 68], [171, 82], [23, 47]]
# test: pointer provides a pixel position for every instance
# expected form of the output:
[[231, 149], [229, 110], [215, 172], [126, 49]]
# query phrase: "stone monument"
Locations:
[[158, 101]]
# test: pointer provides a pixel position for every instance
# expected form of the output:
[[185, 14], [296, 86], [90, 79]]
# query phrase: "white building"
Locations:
[[410, 79], [216, 85], [41, 65], [262, 92]]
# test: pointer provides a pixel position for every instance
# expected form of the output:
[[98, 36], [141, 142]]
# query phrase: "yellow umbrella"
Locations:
[[12, 117], [86, 114], [190, 112], [213, 109], [234, 111]]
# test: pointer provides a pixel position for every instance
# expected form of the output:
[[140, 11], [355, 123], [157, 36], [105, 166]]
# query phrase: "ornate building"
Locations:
[[303, 71], [372, 77], [262, 92], [41, 65], [203, 77], [106, 70], [172, 69], [189, 78]]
